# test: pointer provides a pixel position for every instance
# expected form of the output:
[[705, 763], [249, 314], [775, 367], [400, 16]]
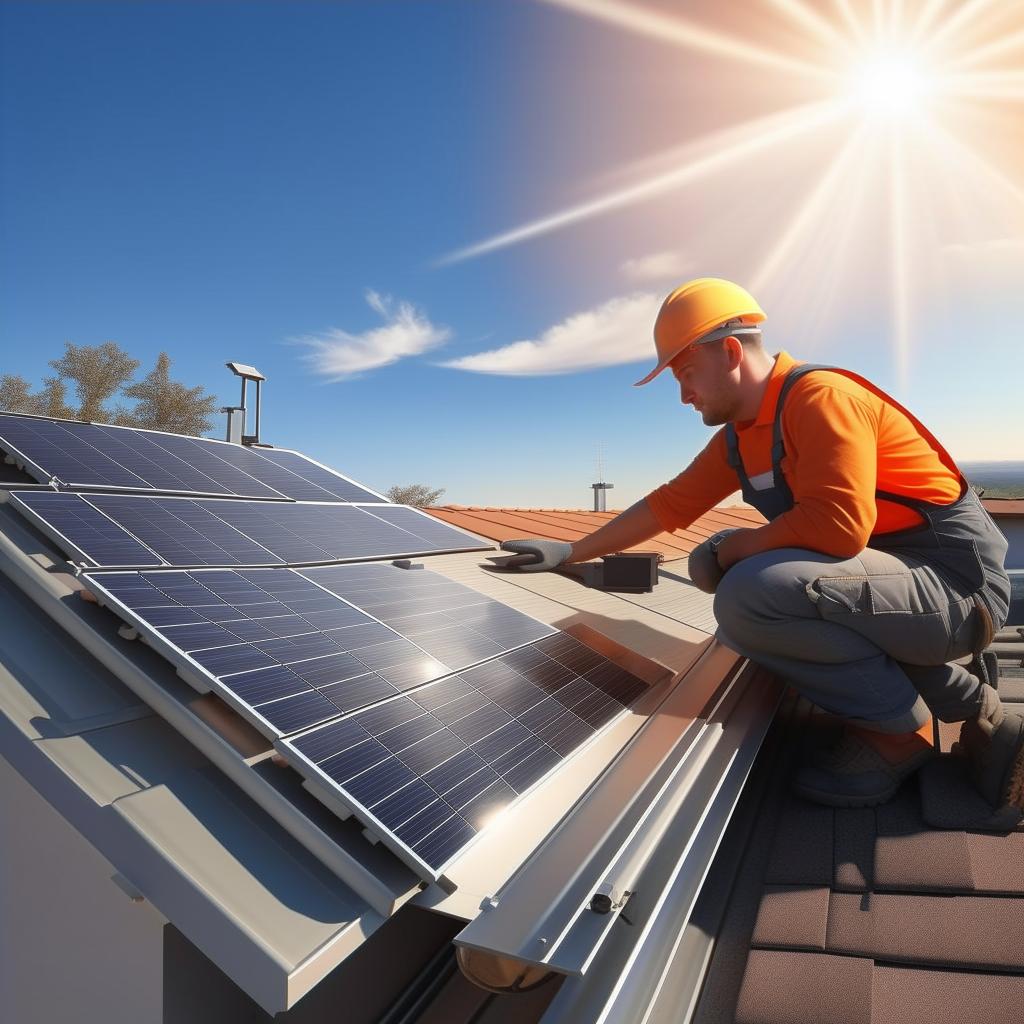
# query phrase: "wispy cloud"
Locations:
[[658, 267], [339, 355], [618, 331]]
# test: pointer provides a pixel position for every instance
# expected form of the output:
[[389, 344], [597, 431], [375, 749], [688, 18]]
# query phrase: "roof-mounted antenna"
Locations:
[[600, 487], [237, 413]]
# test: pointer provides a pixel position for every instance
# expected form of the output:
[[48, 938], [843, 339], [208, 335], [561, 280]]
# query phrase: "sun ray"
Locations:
[[673, 29], [878, 18], [851, 19], [809, 211], [841, 242], [993, 85], [983, 53], [962, 16], [924, 20], [895, 18], [900, 260], [956, 151], [779, 128], [812, 21]]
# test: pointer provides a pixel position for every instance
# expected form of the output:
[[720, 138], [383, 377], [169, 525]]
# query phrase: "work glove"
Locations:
[[704, 569], [537, 555]]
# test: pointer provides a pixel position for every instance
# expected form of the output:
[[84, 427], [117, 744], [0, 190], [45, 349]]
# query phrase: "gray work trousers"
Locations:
[[868, 637]]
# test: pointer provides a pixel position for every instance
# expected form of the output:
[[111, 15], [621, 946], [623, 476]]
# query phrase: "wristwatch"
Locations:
[[715, 541]]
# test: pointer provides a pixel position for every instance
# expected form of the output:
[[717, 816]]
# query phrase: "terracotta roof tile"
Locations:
[[568, 524]]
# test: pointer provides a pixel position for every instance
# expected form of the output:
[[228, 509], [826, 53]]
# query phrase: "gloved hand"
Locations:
[[537, 555], [703, 566]]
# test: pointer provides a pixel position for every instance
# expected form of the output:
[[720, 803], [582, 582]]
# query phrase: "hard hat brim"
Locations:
[[715, 335]]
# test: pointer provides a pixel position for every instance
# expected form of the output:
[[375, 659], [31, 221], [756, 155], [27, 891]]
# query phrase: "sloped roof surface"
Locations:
[[871, 916], [571, 525]]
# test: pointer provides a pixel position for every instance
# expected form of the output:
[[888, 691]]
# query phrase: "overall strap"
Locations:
[[779, 449], [732, 448]]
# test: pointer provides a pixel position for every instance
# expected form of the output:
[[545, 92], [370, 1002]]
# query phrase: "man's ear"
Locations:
[[733, 348]]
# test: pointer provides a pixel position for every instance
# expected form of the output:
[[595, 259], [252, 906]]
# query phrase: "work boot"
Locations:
[[993, 744], [865, 767]]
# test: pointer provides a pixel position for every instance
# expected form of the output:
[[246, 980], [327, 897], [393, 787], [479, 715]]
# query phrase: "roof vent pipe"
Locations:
[[237, 413], [599, 502]]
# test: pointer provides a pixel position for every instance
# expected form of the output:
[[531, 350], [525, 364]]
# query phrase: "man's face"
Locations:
[[706, 381]]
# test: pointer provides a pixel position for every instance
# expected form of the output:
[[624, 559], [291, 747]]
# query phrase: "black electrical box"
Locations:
[[635, 570]]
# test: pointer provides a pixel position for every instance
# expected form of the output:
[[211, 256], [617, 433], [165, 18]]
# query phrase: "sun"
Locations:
[[891, 85]]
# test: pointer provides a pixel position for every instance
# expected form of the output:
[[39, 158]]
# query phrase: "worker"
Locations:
[[878, 565]]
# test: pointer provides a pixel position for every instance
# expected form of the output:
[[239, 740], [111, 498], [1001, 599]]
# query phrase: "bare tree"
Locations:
[[165, 404], [419, 495], [98, 372]]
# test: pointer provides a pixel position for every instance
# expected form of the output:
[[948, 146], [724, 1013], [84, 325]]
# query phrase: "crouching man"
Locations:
[[877, 568]]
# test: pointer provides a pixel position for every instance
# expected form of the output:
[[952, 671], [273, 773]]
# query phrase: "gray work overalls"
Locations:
[[959, 542]]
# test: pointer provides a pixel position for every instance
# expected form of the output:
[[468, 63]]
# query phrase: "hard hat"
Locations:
[[700, 311]]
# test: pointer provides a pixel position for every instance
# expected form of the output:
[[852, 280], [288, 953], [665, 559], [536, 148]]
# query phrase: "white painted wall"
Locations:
[[73, 948]]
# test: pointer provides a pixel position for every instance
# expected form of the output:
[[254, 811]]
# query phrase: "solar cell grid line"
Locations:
[[321, 479], [429, 770], [58, 452], [253, 637], [83, 532]]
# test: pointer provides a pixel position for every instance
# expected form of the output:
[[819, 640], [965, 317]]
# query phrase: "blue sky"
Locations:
[[273, 182]]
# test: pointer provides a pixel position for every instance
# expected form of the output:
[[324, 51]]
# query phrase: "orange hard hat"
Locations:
[[700, 311]]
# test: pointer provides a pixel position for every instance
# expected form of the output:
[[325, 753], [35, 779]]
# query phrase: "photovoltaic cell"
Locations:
[[197, 531], [428, 770]]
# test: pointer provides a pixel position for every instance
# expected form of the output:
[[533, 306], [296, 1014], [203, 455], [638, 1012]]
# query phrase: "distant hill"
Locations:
[[999, 479]]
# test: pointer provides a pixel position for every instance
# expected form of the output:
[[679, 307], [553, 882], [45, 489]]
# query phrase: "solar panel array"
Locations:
[[138, 530], [429, 770], [425, 734], [422, 705], [289, 653], [80, 455]]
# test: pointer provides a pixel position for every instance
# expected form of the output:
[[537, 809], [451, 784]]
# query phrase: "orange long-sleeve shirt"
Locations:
[[842, 442]]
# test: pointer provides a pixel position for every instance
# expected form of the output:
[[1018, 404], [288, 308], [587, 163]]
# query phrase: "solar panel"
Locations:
[[427, 771], [210, 531], [287, 652], [324, 484], [81, 455], [454, 623]]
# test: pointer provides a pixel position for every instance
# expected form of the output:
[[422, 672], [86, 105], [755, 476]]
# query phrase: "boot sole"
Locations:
[[841, 800], [831, 798]]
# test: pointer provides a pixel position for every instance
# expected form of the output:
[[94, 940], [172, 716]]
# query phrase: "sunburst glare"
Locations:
[[921, 101]]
